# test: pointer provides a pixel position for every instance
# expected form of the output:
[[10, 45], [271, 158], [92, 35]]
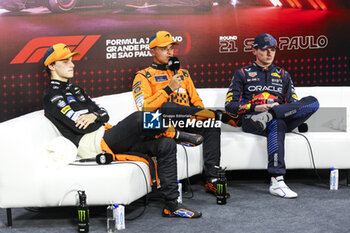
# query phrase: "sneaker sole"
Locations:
[[257, 124], [179, 216], [275, 194]]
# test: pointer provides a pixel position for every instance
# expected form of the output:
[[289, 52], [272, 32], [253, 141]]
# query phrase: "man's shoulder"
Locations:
[[184, 72], [146, 72], [52, 90], [279, 71], [243, 71]]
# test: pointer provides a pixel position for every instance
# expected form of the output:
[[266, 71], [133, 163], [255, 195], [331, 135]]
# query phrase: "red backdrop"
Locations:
[[314, 45]]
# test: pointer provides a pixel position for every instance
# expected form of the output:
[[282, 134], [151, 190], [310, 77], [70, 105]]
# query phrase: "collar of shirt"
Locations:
[[263, 68], [59, 83], [159, 66]]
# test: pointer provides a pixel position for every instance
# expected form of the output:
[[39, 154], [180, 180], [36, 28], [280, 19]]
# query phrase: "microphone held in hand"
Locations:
[[174, 64]]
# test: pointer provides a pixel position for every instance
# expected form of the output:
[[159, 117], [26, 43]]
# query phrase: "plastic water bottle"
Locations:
[[221, 187], [111, 227], [334, 177], [83, 213], [119, 216], [179, 188], [270, 101]]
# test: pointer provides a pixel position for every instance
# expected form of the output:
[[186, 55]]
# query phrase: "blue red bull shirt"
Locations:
[[254, 85]]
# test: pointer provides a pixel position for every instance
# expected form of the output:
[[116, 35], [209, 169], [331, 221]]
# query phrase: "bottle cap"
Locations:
[[116, 205], [178, 181], [332, 168]]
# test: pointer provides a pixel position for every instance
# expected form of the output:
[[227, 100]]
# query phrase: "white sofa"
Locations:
[[28, 180]]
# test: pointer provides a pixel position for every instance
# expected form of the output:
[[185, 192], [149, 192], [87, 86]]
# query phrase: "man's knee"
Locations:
[[211, 132], [136, 118], [311, 102], [166, 146], [168, 107]]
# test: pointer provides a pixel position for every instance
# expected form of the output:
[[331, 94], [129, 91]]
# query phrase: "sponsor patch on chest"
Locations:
[[161, 78], [252, 74]]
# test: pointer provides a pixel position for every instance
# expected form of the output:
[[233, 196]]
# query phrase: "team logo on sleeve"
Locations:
[[185, 73], [66, 109], [55, 98], [136, 84], [137, 90], [71, 99], [61, 103], [245, 107], [138, 94], [69, 114], [229, 97]]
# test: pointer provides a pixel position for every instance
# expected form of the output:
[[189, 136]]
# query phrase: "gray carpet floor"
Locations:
[[250, 209]]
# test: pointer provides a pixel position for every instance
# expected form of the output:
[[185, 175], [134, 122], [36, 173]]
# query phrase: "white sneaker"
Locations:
[[279, 188], [260, 120]]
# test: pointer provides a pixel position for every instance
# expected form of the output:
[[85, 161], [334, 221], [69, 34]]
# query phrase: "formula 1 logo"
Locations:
[[35, 49]]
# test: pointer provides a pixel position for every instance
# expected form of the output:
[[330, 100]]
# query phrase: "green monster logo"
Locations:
[[82, 215], [220, 188]]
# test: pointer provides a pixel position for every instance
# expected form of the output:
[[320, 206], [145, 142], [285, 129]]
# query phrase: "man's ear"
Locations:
[[152, 51], [254, 51], [51, 66]]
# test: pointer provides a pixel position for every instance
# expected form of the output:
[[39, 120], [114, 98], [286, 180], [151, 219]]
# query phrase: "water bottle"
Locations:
[[83, 213], [270, 101], [119, 216], [111, 227], [333, 182], [221, 187], [179, 188]]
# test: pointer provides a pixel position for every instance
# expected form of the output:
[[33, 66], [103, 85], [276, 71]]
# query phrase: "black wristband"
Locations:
[[168, 90]]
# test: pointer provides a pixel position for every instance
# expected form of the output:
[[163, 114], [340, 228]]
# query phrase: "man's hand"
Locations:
[[264, 107], [274, 104], [175, 82], [85, 120]]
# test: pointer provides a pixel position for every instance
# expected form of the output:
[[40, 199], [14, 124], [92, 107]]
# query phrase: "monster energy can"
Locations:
[[83, 213], [221, 187]]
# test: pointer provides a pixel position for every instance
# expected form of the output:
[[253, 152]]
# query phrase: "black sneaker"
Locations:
[[210, 187], [234, 120], [188, 139], [259, 120], [175, 209]]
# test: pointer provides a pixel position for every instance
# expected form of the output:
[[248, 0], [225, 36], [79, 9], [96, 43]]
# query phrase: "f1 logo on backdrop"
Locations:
[[35, 49]]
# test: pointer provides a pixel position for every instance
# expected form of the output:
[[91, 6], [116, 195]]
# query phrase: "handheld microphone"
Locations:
[[174, 65], [104, 158]]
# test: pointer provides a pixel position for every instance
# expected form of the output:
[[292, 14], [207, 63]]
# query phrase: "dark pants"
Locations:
[[128, 136], [286, 118], [211, 143]]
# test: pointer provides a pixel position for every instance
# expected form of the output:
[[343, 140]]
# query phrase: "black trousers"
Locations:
[[211, 143], [286, 118], [129, 136]]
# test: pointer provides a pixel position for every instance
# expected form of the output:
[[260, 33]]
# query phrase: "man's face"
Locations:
[[161, 55], [64, 69], [265, 57]]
